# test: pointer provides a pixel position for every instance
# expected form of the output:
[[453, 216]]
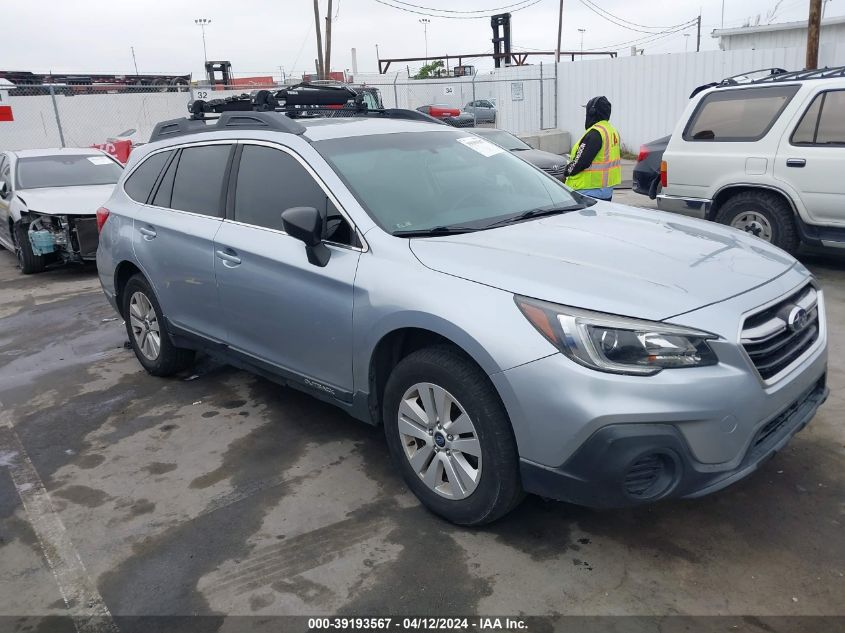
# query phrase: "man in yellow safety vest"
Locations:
[[595, 166]]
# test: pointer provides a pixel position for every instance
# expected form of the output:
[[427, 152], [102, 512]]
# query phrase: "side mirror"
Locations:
[[306, 225], [4, 189]]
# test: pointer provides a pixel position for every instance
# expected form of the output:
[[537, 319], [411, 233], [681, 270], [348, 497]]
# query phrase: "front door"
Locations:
[[811, 158], [173, 237], [279, 308]]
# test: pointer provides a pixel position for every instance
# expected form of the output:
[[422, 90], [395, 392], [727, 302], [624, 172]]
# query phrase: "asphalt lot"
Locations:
[[217, 492]]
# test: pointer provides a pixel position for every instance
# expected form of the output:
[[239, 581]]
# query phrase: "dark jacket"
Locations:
[[598, 109]]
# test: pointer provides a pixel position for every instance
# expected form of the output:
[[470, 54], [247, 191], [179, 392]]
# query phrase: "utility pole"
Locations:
[[698, 34], [328, 68], [425, 22], [723, 13], [134, 61], [559, 32], [582, 31], [814, 26], [319, 40]]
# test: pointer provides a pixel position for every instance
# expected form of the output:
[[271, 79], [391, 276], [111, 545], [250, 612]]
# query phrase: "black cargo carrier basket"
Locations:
[[279, 111]]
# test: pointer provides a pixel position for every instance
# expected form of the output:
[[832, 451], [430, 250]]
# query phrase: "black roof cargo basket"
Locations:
[[773, 75], [278, 111]]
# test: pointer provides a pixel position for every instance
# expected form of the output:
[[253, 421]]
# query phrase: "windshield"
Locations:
[[67, 171], [503, 139], [419, 181]]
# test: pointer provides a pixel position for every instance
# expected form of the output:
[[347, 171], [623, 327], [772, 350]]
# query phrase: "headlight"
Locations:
[[616, 344]]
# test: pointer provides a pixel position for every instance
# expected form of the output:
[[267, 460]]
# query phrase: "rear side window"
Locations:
[[824, 121], [199, 179], [139, 185], [738, 115]]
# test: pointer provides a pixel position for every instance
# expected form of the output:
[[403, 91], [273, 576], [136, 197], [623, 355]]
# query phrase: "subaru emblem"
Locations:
[[797, 319]]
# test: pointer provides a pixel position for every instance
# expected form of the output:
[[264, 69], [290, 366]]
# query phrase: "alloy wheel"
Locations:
[[439, 440], [755, 223], [145, 325]]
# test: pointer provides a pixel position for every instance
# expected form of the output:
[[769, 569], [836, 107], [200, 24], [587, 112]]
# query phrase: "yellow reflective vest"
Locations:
[[606, 170]]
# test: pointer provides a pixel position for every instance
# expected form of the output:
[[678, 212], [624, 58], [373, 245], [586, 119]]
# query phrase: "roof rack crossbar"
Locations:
[[226, 121]]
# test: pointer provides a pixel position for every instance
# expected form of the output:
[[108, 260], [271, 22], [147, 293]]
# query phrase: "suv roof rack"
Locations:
[[803, 75], [278, 111]]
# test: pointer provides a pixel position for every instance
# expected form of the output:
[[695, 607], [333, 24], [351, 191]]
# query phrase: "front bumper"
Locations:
[[622, 465]]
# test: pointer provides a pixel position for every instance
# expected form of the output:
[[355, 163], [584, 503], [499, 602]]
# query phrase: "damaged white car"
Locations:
[[48, 204]]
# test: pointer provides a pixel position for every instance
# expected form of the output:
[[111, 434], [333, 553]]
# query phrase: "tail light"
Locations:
[[644, 152], [102, 216], [664, 174]]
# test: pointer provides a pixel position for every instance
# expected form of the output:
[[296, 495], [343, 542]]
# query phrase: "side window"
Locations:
[[198, 184], [824, 121], [806, 130], [270, 181], [165, 188], [139, 185], [744, 114]]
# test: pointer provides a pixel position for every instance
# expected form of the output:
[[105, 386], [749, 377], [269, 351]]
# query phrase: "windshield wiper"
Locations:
[[437, 230], [534, 213]]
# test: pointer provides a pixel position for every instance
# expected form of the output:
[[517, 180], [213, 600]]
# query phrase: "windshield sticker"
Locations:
[[485, 148], [100, 160]]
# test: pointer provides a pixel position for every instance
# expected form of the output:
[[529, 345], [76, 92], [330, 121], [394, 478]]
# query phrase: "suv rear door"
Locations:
[[279, 309], [811, 156], [173, 242]]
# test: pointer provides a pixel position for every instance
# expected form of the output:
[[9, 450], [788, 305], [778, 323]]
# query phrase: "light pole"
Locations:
[[203, 22], [686, 42], [425, 22], [582, 31]]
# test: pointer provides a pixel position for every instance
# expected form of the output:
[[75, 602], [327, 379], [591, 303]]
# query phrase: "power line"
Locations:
[[417, 6], [531, 3], [627, 25], [643, 40]]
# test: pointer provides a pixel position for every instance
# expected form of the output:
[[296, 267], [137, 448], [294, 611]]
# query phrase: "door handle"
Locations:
[[228, 259], [149, 234], [796, 162]]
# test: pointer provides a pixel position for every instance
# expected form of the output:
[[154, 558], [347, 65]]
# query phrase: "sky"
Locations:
[[268, 37]]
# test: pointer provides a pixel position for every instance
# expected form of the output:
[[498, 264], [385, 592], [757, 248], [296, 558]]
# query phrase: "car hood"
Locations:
[[81, 200], [611, 258], [538, 157]]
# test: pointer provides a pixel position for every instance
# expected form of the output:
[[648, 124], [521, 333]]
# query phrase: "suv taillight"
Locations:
[[102, 216], [664, 173], [644, 152]]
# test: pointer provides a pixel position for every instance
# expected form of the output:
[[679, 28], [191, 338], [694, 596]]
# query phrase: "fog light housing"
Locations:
[[651, 476]]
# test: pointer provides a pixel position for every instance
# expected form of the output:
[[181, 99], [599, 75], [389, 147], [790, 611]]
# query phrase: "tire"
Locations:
[[746, 211], [456, 497], [28, 261], [161, 358]]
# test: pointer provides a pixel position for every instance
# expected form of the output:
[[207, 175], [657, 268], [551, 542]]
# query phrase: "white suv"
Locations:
[[767, 157]]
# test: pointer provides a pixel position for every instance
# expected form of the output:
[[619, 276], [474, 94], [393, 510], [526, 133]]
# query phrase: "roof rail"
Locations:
[[226, 121], [804, 75]]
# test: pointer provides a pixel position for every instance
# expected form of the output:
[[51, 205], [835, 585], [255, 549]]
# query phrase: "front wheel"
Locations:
[[28, 261], [448, 433], [147, 332], [763, 214]]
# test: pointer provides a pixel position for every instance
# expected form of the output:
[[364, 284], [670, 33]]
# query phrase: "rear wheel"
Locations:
[[763, 214], [448, 433], [147, 332], [28, 261]]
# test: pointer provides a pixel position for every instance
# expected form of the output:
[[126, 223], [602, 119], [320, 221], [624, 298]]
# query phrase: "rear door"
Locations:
[[280, 309], [811, 157], [174, 237]]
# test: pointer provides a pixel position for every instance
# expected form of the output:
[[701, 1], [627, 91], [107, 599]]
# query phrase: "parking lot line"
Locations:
[[85, 604]]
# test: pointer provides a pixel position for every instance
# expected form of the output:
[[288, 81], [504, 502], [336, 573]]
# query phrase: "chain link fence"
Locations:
[[46, 116]]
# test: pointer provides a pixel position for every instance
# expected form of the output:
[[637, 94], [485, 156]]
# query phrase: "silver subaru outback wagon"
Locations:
[[509, 334]]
